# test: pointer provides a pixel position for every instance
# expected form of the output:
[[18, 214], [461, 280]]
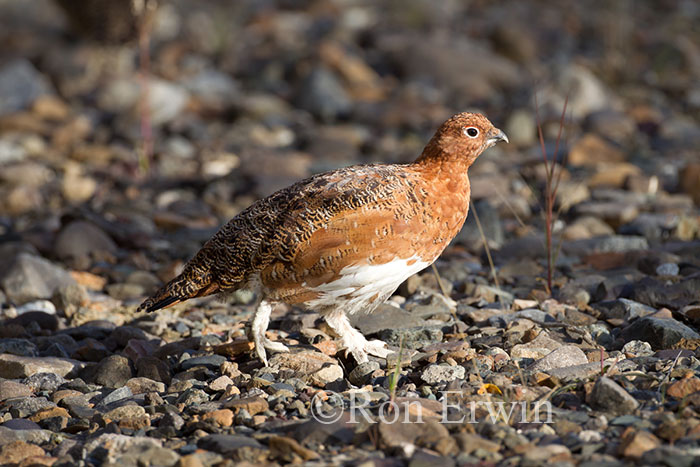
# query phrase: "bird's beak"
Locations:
[[496, 136]]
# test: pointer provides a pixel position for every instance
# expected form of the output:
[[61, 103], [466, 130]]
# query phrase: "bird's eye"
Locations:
[[471, 132]]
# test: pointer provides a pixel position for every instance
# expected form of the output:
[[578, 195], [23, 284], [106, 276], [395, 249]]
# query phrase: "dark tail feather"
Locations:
[[191, 283], [164, 303]]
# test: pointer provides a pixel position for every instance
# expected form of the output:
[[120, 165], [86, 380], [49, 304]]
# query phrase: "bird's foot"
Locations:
[[361, 350], [273, 346], [262, 344]]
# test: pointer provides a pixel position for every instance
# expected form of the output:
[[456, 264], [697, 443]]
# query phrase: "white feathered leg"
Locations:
[[258, 327]]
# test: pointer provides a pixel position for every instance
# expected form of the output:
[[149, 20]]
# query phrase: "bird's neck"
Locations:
[[444, 162]]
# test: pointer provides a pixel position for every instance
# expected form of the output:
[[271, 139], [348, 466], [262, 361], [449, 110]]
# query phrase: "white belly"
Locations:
[[363, 287]]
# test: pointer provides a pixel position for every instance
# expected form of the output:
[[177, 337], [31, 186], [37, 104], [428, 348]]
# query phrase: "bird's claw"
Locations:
[[273, 346], [264, 343], [361, 352]]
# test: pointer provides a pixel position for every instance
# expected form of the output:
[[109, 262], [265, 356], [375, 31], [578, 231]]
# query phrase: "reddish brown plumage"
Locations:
[[322, 241]]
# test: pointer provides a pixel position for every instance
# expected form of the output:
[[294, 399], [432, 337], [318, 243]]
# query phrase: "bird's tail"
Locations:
[[195, 281]]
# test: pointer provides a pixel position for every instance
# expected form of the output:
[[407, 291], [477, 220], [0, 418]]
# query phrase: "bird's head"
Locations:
[[463, 136]]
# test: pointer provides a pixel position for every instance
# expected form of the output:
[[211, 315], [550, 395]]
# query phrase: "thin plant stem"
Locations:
[[552, 180], [486, 246], [145, 152]]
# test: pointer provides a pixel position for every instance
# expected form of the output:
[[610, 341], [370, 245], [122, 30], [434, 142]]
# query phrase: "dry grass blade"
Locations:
[[486, 246], [552, 181], [146, 11], [393, 384]]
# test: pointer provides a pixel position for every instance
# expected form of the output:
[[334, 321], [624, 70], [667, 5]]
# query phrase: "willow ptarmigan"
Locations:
[[341, 242]]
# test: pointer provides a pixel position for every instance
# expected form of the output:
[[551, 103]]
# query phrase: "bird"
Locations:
[[340, 242]]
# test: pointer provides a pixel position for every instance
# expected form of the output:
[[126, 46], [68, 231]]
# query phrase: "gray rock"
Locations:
[[123, 334], [15, 367], [144, 385], [153, 368], [44, 382], [21, 347], [401, 434], [667, 269], [221, 383], [113, 371], [11, 151], [521, 127], [586, 93], [193, 396], [213, 362], [21, 424], [117, 395], [107, 447], [671, 456], [537, 348], [503, 319], [362, 373], [137, 455], [20, 85], [213, 88], [611, 244], [540, 455], [30, 277], [81, 239], [26, 406], [609, 396], [228, 445], [166, 100], [322, 94], [12, 389], [8, 435], [385, 317], [490, 219], [413, 338], [660, 333], [44, 306], [652, 226], [437, 374], [568, 355], [171, 419], [36, 320], [576, 372], [637, 348], [613, 125], [623, 308]]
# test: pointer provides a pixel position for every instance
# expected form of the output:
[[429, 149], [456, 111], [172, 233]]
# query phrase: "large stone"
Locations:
[[609, 396], [235, 446], [14, 366], [635, 443], [323, 95], [13, 389], [623, 308], [8, 435], [537, 348], [660, 333], [15, 346], [166, 100], [566, 356], [20, 85], [109, 447], [113, 371], [439, 374], [17, 451], [81, 239], [30, 277], [386, 317], [314, 367]]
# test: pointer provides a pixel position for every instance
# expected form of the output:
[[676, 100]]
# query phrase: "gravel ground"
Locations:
[[243, 98]]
